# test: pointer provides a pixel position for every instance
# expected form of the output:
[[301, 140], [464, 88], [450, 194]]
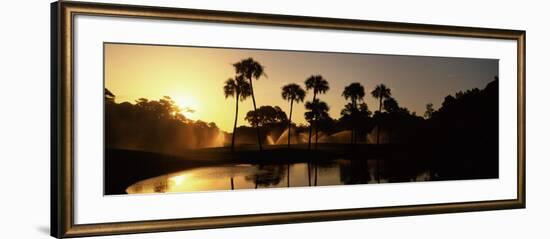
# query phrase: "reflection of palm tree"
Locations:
[[267, 175], [249, 68], [318, 110], [319, 85], [240, 89], [381, 92], [354, 92], [292, 92]]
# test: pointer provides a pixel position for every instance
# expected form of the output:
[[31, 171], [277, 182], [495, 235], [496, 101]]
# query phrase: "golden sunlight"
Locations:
[[179, 179], [188, 106], [308, 124]]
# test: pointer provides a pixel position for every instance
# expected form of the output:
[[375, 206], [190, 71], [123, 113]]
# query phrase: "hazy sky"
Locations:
[[194, 78]]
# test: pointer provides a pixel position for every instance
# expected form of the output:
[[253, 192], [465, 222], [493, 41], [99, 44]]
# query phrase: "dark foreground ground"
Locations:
[[125, 167]]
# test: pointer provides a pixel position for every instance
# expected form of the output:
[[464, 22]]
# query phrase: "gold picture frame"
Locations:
[[62, 161]]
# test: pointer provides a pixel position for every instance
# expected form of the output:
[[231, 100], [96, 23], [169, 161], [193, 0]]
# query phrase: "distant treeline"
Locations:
[[460, 138], [466, 127], [155, 126], [462, 133]]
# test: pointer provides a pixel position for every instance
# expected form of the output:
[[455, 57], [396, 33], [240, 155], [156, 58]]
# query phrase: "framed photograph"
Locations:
[[172, 119]]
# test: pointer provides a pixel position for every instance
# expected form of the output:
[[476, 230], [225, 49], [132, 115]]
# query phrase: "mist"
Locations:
[[156, 126]]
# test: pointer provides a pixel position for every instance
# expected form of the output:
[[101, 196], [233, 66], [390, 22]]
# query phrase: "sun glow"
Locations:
[[188, 106], [179, 179]]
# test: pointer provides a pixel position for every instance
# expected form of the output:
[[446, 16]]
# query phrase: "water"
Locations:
[[248, 176]]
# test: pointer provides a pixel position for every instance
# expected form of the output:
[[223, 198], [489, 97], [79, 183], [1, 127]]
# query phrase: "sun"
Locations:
[[179, 179], [188, 106]]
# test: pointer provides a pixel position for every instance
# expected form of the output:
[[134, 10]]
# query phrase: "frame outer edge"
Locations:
[[522, 69], [54, 120], [170, 13], [66, 11], [66, 218]]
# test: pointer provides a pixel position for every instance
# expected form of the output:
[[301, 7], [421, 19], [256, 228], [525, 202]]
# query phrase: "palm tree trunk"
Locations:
[[289, 125], [379, 123], [290, 122], [254, 102], [316, 136], [235, 124], [378, 140], [353, 115], [310, 123]]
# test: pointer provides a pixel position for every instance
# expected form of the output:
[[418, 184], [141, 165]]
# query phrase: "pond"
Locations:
[[250, 176]]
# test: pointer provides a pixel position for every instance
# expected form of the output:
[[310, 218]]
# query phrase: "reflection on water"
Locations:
[[247, 176]]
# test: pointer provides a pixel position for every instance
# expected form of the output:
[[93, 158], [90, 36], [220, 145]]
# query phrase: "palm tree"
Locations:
[[381, 92], [249, 69], [292, 92], [354, 92], [240, 89], [319, 85], [317, 110]]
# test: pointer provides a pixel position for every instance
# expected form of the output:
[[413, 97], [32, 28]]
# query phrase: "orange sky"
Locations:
[[194, 77]]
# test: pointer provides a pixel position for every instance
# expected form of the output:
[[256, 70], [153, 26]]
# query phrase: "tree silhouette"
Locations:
[[251, 69], [292, 92], [349, 109], [357, 118], [429, 111], [319, 85], [156, 126], [265, 115], [109, 96], [381, 92], [355, 92], [317, 110], [394, 114], [391, 106], [239, 89]]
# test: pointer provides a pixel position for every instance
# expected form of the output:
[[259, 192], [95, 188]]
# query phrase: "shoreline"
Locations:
[[124, 167]]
